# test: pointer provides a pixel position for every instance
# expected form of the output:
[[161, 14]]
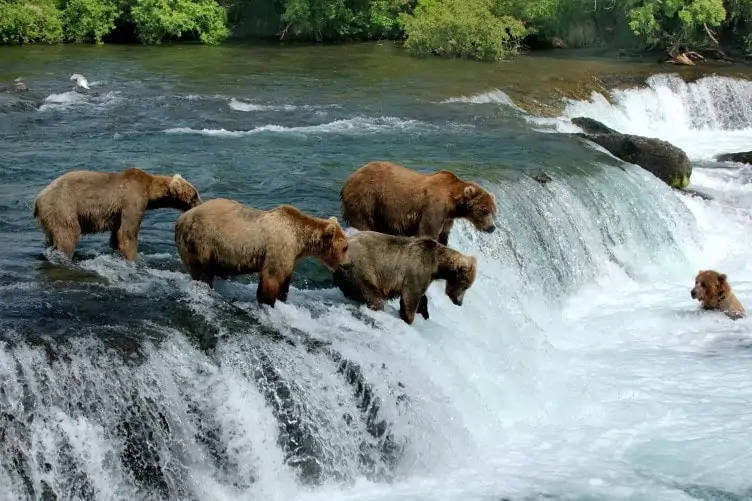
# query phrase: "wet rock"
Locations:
[[695, 193], [542, 178], [743, 157], [591, 126], [661, 158]]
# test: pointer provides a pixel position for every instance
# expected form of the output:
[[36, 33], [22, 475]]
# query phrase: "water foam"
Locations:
[[73, 99], [494, 96], [353, 126]]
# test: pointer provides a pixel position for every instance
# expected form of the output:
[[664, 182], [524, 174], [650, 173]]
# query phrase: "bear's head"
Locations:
[[460, 277], [479, 207], [334, 245], [181, 194], [710, 288]]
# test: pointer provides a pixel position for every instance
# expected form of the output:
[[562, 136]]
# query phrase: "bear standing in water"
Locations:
[[386, 267], [84, 202], [223, 238], [714, 293], [389, 198]]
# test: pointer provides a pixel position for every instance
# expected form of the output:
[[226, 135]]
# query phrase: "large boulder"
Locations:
[[744, 157], [661, 158]]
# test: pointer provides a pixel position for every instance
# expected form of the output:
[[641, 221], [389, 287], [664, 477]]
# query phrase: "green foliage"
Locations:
[[461, 28], [671, 22], [89, 20], [45, 21], [478, 29], [156, 20], [30, 21], [340, 19]]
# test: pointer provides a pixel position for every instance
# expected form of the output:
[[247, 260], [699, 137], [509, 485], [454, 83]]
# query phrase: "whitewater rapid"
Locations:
[[577, 368]]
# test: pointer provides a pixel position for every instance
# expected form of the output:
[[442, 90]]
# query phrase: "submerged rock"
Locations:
[[661, 158], [743, 157]]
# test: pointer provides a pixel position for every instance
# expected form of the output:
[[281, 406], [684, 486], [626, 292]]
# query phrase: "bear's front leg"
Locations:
[[269, 287], [284, 289], [410, 302], [431, 224], [423, 307], [444, 235], [127, 235]]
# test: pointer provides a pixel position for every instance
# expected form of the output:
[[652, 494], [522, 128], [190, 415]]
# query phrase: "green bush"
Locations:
[[322, 20], [30, 21], [156, 20], [673, 22], [461, 28], [89, 20]]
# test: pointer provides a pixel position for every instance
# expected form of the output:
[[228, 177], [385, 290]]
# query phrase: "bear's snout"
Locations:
[[693, 293], [490, 229]]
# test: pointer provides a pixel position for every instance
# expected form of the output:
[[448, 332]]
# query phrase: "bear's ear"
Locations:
[[176, 180], [470, 191], [701, 272], [331, 228], [722, 277]]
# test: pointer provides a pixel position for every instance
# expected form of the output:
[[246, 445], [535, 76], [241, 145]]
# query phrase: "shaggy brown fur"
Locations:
[[714, 293], [389, 198], [223, 238], [386, 267], [86, 202]]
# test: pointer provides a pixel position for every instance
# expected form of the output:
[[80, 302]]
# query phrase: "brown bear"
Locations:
[[223, 238], [389, 266], [392, 199], [714, 293], [85, 202]]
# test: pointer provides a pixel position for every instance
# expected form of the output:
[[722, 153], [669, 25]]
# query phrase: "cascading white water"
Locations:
[[709, 116], [578, 368]]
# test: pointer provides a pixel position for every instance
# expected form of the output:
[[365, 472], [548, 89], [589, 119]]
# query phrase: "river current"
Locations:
[[578, 367]]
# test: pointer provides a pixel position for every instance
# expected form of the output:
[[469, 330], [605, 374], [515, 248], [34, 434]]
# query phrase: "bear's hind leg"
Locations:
[[65, 240]]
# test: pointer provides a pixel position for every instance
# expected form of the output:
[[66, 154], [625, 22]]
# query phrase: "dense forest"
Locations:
[[479, 29]]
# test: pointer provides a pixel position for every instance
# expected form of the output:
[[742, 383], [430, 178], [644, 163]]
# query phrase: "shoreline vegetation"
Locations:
[[678, 31]]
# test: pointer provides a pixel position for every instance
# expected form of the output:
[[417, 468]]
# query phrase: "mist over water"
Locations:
[[577, 368]]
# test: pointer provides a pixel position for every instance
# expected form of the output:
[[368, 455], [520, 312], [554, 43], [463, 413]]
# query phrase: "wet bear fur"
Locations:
[[714, 293], [224, 238], [392, 199], [383, 267], [84, 202]]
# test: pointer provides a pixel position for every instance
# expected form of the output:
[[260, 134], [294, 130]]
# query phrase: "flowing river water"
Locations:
[[578, 368]]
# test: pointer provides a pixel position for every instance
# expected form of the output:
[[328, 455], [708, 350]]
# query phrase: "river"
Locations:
[[578, 368]]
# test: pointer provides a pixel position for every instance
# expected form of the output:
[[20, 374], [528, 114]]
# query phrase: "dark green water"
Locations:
[[562, 375]]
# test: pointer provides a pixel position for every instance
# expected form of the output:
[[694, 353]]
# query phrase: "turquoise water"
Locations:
[[577, 368]]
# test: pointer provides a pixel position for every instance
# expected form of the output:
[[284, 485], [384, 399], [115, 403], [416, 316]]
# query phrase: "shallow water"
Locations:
[[578, 367]]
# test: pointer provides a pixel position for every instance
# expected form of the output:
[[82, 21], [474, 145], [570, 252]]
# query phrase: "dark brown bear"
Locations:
[[389, 198], [714, 293], [224, 238], [85, 202], [385, 267]]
